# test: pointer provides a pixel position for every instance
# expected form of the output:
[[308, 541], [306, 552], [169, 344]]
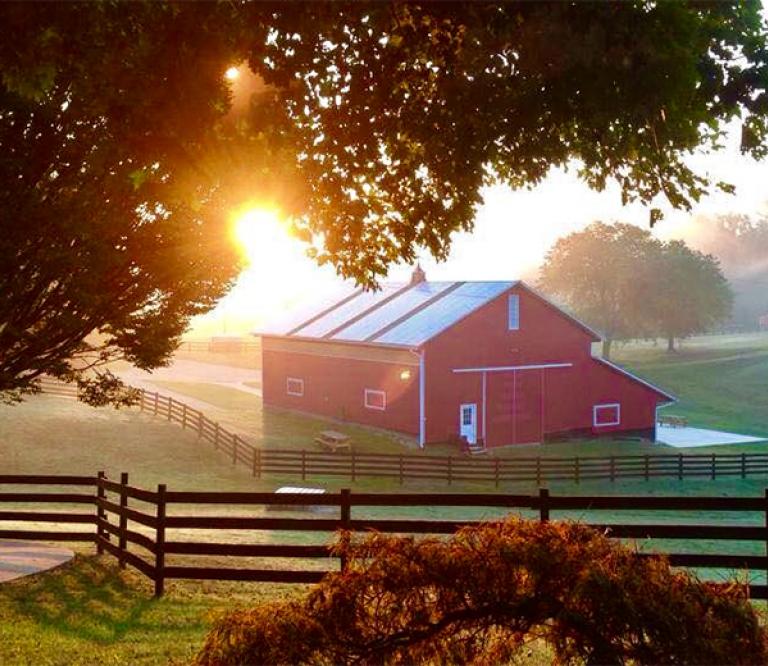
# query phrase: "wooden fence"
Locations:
[[309, 463], [141, 528], [235, 345]]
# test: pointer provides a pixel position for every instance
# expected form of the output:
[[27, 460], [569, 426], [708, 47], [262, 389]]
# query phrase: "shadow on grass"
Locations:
[[87, 598]]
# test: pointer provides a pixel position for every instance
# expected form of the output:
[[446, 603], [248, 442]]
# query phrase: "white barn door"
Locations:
[[468, 422]]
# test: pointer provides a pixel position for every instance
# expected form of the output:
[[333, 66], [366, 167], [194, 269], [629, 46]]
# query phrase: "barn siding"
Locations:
[[523, 406], [334, 387], [516, 411]]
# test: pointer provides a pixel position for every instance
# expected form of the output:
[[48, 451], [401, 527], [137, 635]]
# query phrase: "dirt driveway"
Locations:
[[197, 372]]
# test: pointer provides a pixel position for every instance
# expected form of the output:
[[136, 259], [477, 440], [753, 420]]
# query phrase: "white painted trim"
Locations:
[[422, 400], [510, 298], [507, 368], [383, 395], [485, 392], [560, 309], [288, 391], [606, 405], [473, 405], [469, 312], [627, 373]]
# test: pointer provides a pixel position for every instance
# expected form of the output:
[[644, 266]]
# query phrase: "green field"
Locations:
[[89, 612], [721, 381]]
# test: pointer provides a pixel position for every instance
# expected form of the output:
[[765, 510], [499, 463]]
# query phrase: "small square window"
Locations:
[[466, 416], [606, 415], [375, 399], [514, 312], [294, 386]]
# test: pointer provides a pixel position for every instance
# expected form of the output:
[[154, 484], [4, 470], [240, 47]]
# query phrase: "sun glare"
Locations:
[[232, 73], [263, 237]]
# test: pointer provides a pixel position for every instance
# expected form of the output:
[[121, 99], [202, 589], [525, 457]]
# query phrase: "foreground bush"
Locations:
[[482, 595]]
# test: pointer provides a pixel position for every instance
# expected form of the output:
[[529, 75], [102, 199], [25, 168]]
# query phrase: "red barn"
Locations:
[[492, 361]]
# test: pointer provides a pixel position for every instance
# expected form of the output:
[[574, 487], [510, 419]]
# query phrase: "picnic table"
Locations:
[[296, 490], [673, 421], [333, 441]]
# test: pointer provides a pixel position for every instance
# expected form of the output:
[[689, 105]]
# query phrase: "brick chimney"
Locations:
[[418, 275]]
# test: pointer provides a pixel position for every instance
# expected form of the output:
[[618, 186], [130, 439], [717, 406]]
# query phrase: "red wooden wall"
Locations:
[[524, 406], [334, 387], [520, 407]]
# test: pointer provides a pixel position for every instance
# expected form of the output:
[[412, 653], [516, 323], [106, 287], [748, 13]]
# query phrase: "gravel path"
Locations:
[[22, 558]]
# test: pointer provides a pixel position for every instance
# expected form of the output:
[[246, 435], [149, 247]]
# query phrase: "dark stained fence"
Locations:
[[143, 528], [405, 467], [224, 345]]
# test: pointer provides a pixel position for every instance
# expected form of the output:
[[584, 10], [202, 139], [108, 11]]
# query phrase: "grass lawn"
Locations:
[[722, 381], [88, 612]]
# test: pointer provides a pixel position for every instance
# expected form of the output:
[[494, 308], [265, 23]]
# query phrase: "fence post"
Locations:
[[346, 514], [401, 469], [183, 414], [538, 471], [647, 461], [170, 408], [354, 470], [679, 466], [101, 514], [450, 469], [235, 444], [160, 542], [576, 469], [303, 464], [141, 400], [714, 461], [257, 463], [157, 398], [544, 505], [123, 539], [613, 469], [743, 465], [496, 471]]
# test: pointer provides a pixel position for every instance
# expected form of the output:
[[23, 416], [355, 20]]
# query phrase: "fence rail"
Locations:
[[143, 535], [234, 345], [309, 463]]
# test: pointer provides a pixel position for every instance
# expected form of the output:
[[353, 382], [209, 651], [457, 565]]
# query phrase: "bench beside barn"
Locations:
[[494, 362]]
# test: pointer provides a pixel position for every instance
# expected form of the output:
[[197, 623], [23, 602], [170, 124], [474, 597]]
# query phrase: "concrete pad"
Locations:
[[684, 438], [22, 558]]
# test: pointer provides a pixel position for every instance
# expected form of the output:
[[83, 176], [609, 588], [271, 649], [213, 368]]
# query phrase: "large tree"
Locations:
[[606, 274], [691, 294], [628, 285], [374, 126]]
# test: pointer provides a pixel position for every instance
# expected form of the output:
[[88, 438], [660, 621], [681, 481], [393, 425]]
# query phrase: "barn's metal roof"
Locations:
[[400, 314]]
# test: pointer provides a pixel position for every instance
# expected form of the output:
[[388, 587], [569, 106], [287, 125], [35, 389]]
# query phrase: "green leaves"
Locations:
[[628, 285]]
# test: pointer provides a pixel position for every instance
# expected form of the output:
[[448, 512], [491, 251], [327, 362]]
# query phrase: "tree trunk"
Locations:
[[671, 343], [607, 348]]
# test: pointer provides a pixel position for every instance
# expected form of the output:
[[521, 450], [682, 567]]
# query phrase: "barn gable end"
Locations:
[[493, 361]]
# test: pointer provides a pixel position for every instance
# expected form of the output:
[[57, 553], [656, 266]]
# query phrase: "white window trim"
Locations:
[[510, 299], [606, 405], [383, 395], [288, 391]]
